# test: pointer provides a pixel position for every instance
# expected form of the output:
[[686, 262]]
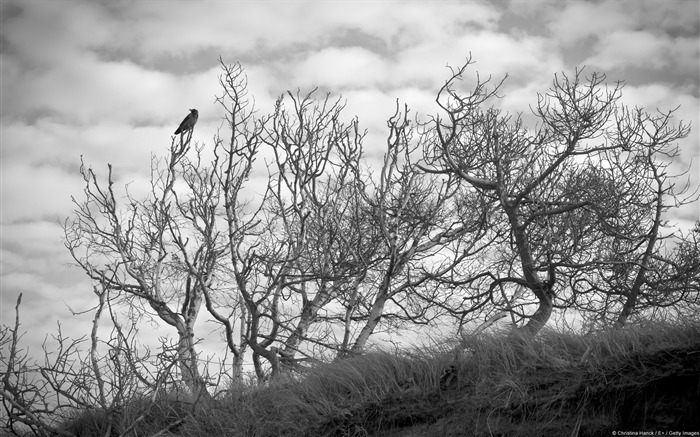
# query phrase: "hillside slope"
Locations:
[[651, 392], [556, 384], [636, 379]]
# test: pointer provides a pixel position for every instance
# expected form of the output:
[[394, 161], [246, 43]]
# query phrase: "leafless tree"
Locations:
[[644, 265], [89, 375], [365, 251], [298, 250], [423, 232], [141, 249], [586, 182], [315, 189]]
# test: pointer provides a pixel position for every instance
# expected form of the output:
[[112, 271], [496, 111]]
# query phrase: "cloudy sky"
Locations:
[[111, 81]]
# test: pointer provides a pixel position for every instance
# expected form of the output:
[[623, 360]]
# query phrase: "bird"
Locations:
[[189, 122]]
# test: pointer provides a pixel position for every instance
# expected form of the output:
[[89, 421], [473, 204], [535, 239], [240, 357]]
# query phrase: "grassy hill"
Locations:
[[643, 378]]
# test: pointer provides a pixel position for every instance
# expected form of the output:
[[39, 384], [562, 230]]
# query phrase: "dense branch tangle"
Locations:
[[588, 177], [299, 249]]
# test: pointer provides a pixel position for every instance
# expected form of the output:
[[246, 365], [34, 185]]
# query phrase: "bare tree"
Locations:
[[297, 250], [45, 397], [424, 233], [640, 266], [369, 249], [584, 179], [317, 157], [140, 249]]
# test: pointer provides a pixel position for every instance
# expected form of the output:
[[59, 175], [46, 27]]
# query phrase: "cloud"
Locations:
[[111, 81], [341, 68], [35, 263], [43, 33], [643, 49], [578, 21], [663, 97], [85, 91], [33, 193]]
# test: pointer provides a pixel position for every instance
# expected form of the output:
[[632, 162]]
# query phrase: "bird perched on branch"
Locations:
[[189, 122]]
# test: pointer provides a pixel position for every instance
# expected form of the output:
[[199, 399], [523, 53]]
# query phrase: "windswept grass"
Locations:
[[644, 377]]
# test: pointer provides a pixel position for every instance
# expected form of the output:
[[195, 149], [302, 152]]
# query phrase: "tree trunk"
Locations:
[[237, 368], [187, 361], [306, 319], [541, 290], [639, 280], [186, 351], [375, 316], [540, 316]]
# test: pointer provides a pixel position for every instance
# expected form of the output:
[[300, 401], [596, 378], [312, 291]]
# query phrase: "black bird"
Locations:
[[189, 122]]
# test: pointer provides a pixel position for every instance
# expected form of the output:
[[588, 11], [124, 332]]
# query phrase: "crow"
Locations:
[[189, 122]]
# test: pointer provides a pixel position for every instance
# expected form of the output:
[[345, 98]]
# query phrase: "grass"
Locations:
[[638, 378]]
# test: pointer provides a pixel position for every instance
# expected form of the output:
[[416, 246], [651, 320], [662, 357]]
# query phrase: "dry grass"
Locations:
[[555, 384]]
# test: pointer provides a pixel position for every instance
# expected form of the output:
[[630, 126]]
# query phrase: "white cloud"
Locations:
[[663, 97], [526, 60], [85, 91], [643, 49], [576, 21], [341, 68], [245, 26], [111, 81], [28, 193]]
